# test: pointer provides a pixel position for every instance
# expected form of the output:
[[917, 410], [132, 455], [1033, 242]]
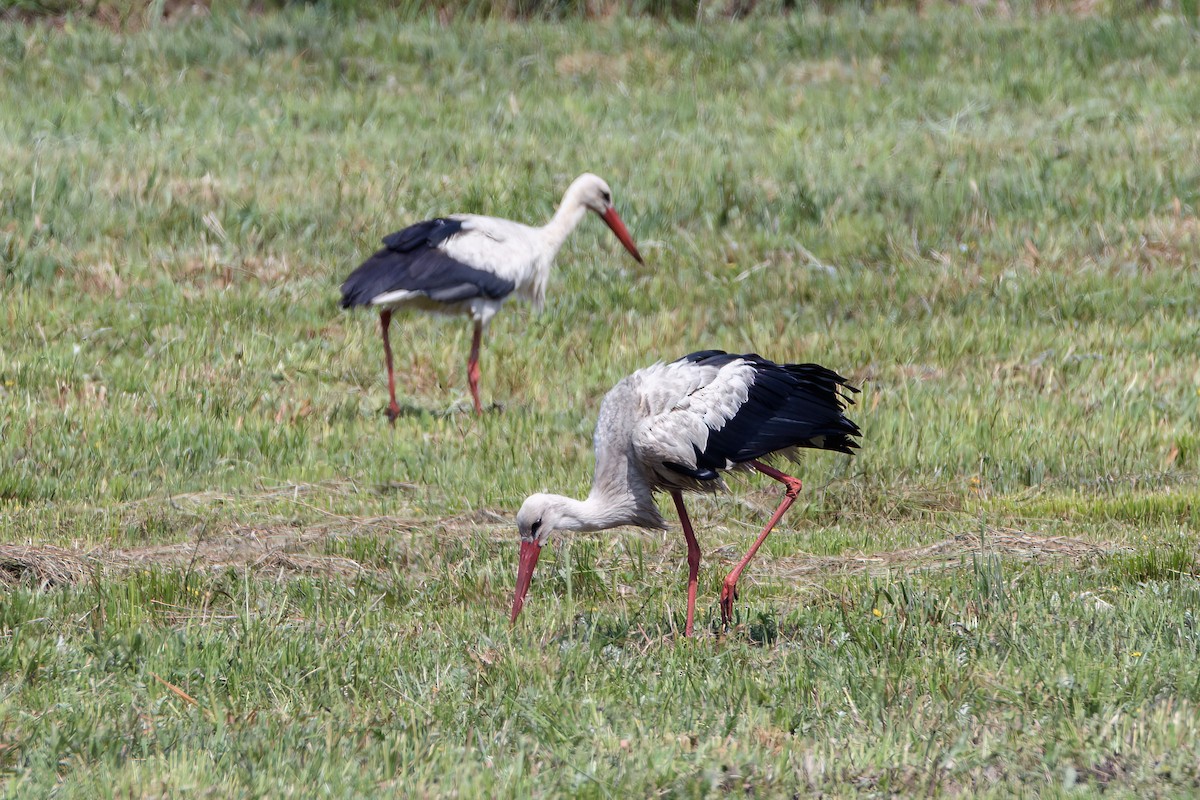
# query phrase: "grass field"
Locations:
[[228, 577]]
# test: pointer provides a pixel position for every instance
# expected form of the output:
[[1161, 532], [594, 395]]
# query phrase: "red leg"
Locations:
[[693, 559], [729, 590], [473, 366], [385, 322]]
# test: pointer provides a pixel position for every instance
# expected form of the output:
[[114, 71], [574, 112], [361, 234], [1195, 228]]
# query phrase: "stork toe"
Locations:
[[728, 598]]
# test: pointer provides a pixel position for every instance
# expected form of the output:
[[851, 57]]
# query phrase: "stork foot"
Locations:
[[393, 413], [462, 407], [729, 596]]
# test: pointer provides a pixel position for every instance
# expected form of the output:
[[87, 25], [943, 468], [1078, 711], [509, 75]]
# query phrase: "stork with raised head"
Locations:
[[470, 264], [676, 427]]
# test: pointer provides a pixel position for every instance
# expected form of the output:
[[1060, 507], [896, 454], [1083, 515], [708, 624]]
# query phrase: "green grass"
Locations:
[[990, 224]]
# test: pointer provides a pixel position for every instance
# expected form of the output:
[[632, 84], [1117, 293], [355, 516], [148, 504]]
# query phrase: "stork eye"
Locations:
[[607, 197], [534, 527]]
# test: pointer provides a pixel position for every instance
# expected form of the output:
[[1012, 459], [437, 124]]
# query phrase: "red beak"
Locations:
[[529, 558], [613, 221]]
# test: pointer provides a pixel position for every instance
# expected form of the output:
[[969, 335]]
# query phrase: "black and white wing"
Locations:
[[711, 410], [445, 260]]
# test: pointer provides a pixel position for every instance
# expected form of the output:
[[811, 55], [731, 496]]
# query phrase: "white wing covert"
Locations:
[[498, 246], [683, 404]]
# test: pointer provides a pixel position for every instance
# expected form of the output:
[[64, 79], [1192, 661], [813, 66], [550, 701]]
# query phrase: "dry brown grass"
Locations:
[[41, 566], [946, 554], [288, 550]]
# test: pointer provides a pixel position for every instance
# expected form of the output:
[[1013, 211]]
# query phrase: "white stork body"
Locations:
[[509, 252], [675, 427], [467, 264]]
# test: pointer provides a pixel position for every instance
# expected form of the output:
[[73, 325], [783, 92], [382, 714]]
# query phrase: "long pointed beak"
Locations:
[[529, 558], [613, 221]]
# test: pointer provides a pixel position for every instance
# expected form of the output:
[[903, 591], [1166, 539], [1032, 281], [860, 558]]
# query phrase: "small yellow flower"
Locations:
[[877, 612], [1136, 654]]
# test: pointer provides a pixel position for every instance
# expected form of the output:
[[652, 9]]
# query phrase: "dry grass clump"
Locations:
[[42, 567]]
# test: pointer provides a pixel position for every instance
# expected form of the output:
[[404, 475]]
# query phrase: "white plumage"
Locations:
[[673, 427], [470, 264], [684, 404]]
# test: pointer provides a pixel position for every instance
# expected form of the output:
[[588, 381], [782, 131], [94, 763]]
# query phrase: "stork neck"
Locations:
[[624, 498], [593, 514], [620, 485], [570, 213]]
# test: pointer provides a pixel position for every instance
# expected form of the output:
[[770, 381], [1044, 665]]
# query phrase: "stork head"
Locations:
[[593, 193], [540, 516]]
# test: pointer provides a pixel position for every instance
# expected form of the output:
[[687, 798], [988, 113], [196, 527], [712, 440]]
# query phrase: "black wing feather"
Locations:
[[789, 405], [430, 233], [698, 474], [412, 260]]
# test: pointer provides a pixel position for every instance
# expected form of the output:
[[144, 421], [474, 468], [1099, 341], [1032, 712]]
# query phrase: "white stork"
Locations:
[[674, 427], [469, 264]]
